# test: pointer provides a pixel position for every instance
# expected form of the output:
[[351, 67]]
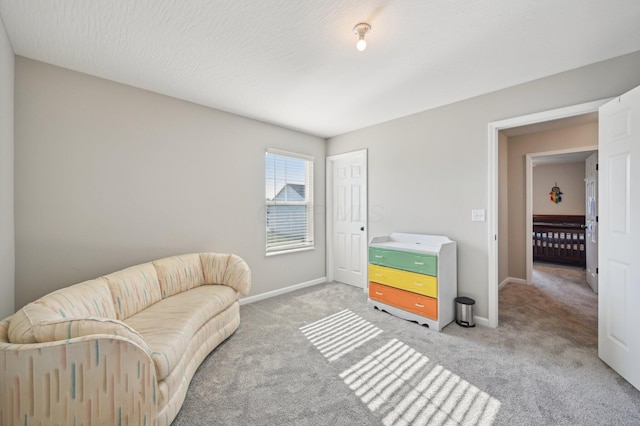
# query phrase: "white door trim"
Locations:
[[329, 210], [492, 235], [529, 160]]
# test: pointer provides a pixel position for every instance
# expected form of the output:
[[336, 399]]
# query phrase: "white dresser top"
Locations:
[[418, 243]]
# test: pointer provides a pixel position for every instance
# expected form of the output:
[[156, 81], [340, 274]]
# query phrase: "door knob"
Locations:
[[362, 228]]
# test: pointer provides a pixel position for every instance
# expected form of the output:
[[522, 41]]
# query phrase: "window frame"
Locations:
[[309, 243]]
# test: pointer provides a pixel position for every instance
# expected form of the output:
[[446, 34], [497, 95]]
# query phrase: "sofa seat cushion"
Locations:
[[168, 325], [216, 330]]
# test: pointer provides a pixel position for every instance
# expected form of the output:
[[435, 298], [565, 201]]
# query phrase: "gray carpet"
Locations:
[[285, 365]]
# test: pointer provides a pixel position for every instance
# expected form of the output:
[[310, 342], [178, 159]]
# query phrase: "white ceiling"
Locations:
[[294, 63]]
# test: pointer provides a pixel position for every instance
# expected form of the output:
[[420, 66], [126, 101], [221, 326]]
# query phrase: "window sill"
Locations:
[[296, 250]]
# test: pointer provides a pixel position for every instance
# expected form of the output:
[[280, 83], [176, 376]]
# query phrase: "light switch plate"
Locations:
[[477, 215]]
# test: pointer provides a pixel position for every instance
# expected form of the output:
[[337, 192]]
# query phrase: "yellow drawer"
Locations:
[[410, 281]]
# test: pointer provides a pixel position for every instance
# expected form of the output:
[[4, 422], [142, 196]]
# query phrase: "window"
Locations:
[[289, 201]]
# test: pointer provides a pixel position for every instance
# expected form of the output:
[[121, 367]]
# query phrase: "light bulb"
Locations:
[[361, 45], [360, 30]]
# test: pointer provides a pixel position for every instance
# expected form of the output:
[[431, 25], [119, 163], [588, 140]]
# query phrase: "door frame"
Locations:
[[330, 160], [528, 210], [492, 235], [593, 230]]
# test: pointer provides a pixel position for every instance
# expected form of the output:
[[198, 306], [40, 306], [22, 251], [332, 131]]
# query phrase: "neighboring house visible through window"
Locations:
[[289, 201]]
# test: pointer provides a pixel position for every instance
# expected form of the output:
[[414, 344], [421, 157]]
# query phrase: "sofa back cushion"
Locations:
[[214, 266], [133, 289], [88, 299], [227, 269], [179, 273]]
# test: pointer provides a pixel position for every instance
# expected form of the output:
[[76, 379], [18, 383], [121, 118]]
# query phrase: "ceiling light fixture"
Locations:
[[360, 30]]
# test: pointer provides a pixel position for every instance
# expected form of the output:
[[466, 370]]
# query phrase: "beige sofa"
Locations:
[[120, 349]]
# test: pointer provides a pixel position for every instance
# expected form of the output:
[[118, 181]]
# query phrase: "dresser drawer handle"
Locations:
[[379, 294], [378, 256], [419, 263], [419, 305], [418, 284]]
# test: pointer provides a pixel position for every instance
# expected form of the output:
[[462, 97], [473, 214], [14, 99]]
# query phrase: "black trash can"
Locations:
[[464, 311]]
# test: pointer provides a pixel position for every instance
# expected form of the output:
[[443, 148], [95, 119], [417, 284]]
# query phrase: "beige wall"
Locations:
[[109, 176], [428, 171], [569, 137], [7, 246], [570, 180]]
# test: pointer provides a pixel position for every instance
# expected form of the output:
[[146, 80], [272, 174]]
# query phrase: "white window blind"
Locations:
[[289, 201]]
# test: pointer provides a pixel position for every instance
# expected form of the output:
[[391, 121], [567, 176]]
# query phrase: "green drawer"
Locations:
[[414, 262]]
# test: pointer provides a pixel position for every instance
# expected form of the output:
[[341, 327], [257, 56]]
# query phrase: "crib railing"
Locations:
[[559, 239]]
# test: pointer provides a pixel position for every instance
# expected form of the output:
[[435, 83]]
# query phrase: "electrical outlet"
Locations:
[[477, 215]]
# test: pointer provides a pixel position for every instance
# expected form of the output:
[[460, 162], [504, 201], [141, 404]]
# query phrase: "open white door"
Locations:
[[349, 218], [619, 227], [591, 220]]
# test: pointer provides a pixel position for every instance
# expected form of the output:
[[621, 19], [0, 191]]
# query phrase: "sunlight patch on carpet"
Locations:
[[340, 333], [397, 381]]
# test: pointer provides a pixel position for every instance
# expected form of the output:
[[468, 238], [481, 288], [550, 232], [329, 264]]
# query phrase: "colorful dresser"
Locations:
[[413, 276]]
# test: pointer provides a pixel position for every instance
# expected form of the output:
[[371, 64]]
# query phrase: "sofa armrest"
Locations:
[[238, 275], [69, 328], [98, 379]]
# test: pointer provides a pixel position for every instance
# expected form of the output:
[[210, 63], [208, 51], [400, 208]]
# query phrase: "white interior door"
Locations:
[[349, 218], [619, 251], [591, 219]]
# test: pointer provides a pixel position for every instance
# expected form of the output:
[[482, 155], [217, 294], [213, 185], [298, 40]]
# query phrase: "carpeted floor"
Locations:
[[321, 356]]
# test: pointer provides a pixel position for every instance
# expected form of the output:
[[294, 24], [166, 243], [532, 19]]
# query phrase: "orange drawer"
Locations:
[[416, 303]]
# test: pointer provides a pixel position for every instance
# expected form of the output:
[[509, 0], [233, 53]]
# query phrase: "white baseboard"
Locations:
[[511, 280], [274, 293], [481, 321]]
